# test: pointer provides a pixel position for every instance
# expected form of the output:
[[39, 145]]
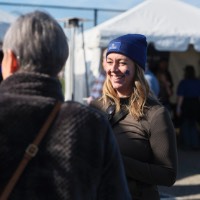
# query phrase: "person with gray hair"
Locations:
[[78, 159]]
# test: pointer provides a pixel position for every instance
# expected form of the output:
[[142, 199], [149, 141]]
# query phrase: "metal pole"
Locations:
[[73, 24], [84, 56], [95, 17]]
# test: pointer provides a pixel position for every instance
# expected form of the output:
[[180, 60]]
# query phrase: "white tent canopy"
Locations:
[[171, 25]]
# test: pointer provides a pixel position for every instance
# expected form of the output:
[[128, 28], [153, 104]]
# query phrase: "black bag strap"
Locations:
[[118, 116], [113, 117]]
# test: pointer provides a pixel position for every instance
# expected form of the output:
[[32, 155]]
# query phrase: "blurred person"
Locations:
[[166, 83], [79, 158], [97, 87], [141, 124], [152, 81], [188, 108]]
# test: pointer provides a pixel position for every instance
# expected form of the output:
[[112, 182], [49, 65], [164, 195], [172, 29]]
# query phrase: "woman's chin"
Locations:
[[117, 86]]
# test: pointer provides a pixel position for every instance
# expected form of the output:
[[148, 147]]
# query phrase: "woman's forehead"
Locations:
[[117, 56]]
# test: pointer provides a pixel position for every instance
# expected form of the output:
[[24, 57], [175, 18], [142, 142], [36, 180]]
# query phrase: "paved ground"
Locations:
[[187, 186]]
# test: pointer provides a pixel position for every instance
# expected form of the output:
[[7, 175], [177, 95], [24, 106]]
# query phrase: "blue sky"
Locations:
[[118, 4], [89, 15]]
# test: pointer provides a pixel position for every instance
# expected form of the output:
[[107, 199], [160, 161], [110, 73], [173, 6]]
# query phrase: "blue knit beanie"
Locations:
[[133, 46]]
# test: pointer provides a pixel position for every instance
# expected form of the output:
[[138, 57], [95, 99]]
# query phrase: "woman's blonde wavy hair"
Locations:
[[138, 98]]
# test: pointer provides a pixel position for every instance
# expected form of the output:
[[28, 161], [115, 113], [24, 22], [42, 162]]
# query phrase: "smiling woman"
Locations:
[[142, 126]]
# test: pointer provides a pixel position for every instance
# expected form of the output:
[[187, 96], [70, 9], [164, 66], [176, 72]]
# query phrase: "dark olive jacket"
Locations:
[[148, 149]]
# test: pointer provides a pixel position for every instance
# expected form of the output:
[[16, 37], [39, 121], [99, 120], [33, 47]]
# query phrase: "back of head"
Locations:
[[38, 42], [189, 72]]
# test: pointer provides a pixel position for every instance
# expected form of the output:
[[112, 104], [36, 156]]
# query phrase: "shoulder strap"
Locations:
[[118, 116], [30, 152], [122, 113]]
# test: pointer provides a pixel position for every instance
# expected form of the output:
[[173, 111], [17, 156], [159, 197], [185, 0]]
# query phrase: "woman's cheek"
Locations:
[[127, 73]]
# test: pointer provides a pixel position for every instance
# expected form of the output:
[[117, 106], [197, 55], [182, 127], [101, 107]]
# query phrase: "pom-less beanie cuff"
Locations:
[[133, 46]]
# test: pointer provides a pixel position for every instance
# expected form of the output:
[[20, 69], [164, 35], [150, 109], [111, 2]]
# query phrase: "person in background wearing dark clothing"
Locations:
[[78, 158], [142, 125], [166, 83], [152, 81], [188, 108]]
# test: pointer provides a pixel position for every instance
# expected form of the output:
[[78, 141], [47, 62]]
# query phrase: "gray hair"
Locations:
[[39, 43]]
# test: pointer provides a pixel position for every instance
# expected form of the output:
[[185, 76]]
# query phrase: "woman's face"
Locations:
[[120, 70]]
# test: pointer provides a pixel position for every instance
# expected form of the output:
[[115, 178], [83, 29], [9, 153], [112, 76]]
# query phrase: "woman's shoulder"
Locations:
[[153, 102], [72, 108], [84, 114], [156, 111], [153, 106], [97, 103]]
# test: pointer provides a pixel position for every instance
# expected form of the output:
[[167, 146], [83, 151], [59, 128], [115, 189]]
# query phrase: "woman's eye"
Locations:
[[109, 62], [122, 63]]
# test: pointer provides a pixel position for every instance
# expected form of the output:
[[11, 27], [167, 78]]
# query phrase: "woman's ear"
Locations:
[[9, 64], [13, 62]]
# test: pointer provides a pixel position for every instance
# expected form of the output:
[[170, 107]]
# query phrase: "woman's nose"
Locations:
[[113, 67]]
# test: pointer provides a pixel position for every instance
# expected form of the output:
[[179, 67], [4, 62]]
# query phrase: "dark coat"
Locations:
[[77, 159]]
